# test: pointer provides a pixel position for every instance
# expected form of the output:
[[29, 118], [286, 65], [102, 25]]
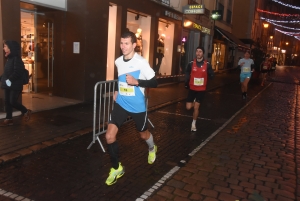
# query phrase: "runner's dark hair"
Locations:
[[129, 34]]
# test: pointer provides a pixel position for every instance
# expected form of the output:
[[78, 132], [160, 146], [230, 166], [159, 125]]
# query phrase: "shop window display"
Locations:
[[218, 57], [140, 25], [164, 51]]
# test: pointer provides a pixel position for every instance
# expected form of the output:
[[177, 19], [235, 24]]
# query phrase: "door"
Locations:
[[44, 59]]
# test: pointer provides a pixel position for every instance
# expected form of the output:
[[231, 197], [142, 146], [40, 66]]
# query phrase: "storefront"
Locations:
[[69, 49], [194, 35], [37, 50], [227, 49], [160, 51]]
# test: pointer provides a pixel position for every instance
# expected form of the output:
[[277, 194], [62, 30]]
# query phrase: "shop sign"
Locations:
[[193, 9], [205, 30], [164, 2], [197, 26], [173, 15]]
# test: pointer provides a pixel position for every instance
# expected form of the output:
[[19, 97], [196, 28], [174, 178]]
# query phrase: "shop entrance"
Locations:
[[37, 50], [190, 41]]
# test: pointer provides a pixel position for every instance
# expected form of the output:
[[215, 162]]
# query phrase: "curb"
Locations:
[[15, 155]]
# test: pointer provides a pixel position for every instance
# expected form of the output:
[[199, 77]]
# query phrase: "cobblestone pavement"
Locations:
[[253, 156]]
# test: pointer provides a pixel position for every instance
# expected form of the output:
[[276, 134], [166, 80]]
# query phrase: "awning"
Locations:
[[231, 38]]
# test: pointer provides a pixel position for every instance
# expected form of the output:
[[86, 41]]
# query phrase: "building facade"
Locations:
[[68, 46]]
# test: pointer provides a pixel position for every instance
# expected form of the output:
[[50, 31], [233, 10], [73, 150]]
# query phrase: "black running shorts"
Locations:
[[198, 95], [119, 115]]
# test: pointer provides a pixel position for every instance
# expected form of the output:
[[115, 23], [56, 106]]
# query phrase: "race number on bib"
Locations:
[[265, 67], [246, 69], [198, 81], [126, 90]]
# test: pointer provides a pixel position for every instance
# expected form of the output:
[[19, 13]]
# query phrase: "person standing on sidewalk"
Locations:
[[196, 75], [265, 67], [134, 74], [247, 67], [11, 82]]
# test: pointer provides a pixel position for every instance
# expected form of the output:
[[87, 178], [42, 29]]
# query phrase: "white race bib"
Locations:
[[198, 81], [246, 69], [265, 67], [126, 90]]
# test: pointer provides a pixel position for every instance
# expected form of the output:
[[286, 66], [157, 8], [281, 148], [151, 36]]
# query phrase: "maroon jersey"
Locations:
[[198, 79]]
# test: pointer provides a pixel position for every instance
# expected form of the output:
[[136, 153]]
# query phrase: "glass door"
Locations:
[[43, 72]]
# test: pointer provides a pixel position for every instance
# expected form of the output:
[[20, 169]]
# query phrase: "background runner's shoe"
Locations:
[[152, 155], [193, 128], [115, 174]]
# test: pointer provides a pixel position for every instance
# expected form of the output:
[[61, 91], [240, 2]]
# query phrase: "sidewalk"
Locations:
[[48, 128], [254, 157]]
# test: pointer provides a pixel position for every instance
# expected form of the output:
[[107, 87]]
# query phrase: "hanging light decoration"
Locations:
[[279, 14], [285, 4], [281, 21], [294, 34], [279, 24], [289, 33]]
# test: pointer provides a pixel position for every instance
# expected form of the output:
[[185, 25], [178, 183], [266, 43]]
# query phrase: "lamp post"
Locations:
[[264, 36]]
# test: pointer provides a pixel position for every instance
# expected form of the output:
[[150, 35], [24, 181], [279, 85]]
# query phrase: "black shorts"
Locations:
[[119, 115], [198, 95], [264, 71]]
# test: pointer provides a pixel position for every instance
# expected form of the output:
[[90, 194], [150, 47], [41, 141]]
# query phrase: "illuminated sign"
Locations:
[[217, 14], [173, 15], [194, 25], [193, 9], [205, 30], [197, 26]]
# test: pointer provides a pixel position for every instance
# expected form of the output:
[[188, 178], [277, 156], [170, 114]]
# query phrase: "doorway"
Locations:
[[37, 50]]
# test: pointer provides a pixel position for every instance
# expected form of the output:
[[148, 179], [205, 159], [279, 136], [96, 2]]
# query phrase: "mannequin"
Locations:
[[160, 52], [139, 42], [161, 41]]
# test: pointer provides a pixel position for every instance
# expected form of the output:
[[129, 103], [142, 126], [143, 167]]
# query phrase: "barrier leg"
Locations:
[[97, 138], [90, 145], [150, 123], [101, 144]]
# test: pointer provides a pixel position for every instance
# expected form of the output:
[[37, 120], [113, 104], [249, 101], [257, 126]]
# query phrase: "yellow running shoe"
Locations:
[[115, 174], [152, 155]]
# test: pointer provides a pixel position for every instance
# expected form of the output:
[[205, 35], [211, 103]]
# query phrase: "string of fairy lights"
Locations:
[[279, 25], [279, 14], [285, 4], [289, 19]]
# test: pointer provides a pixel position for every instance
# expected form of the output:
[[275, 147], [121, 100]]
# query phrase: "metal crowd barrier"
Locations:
[[103, 105]]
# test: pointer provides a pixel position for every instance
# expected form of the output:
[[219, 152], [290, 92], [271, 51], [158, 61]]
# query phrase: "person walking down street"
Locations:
[[273, 65], [196, 76], [134, 74], [246, 65], [11, 82], [265, 67]]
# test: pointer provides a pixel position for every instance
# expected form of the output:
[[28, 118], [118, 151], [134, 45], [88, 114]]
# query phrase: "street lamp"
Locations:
[[266, 25], [287, 43]]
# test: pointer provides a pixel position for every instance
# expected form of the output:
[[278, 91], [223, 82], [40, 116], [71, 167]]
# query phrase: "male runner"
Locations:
[[196, 75], [134, 74]]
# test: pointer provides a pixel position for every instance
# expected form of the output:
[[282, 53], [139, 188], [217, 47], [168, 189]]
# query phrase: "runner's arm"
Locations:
[[152, 83], [210, 71], [188, 72]]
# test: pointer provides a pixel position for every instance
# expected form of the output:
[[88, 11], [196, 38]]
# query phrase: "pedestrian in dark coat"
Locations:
[[11, 81]]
